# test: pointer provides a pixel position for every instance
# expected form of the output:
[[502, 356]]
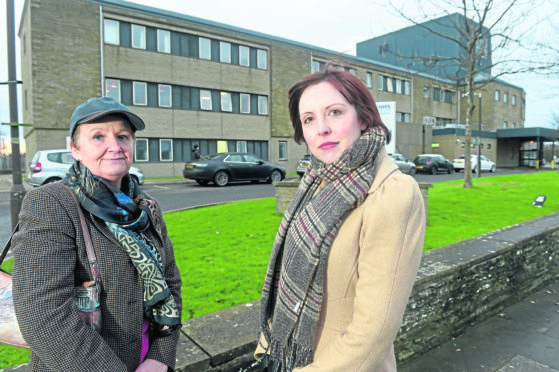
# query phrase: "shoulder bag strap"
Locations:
[[8, 245], [88, 243]]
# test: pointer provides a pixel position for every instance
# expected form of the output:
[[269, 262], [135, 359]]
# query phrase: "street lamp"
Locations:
[[479, 138]]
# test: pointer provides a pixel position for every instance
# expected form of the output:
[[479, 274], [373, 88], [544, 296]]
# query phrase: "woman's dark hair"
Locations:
[[350, 87]]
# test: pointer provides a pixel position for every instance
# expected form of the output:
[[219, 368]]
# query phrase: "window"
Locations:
[[389, 85], [315, 66], [163, 41], [262, 105], [497, 95], [437, 94], [513, 100], [141, 151], [164, 95], [398, 86], [112, 34], [226, 104], [112, 88], [369, 80], [505, 97], [241, 146], [505, 125], [245, 103], [205, 99], [282, 150], [513, 125], [139, 93], [224, 52], [380, 82], [138, 37], [261, 59], [448, 96], [351, 71], [244, 55], [425, 92], [204, 46], [407, 88], [165, 149]]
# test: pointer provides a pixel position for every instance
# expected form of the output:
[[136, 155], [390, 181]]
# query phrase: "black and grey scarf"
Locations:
[[129, 214], [292, 293]]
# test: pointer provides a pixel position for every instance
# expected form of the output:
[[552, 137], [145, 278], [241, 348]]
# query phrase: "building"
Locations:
[[196, 81]]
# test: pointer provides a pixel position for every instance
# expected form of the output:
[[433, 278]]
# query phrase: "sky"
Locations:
[[339, 26]]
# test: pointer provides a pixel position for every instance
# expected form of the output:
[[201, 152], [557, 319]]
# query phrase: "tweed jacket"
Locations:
[[50, 259], [369, 276]]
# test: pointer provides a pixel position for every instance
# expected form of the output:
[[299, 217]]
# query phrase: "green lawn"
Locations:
[[222, 251]]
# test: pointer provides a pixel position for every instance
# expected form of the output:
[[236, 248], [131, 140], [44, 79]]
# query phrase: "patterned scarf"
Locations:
[[292, 293], [129, 214]]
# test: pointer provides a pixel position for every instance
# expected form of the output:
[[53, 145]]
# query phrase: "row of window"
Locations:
[[393, 85], [506, 125], [403, 117], [440, 95], [187, 45], [505, 97], [178, 150], [141, 93]]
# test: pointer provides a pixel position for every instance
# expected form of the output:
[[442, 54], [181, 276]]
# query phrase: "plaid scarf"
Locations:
[[292, 293], [129, 214]]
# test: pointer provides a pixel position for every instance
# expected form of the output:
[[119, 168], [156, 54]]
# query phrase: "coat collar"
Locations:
[[384, 168]]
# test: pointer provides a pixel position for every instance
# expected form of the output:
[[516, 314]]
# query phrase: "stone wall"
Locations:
[[456, 286]]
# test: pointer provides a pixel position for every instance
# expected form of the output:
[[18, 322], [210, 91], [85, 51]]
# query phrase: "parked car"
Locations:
[[52, 165], [232, 166], [404, 164], [433, 163], [486, 164], [303, 164]]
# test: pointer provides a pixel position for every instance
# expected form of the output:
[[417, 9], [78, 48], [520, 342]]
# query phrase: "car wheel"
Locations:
[[412, 171], [221, 178], [450, 170], [474, 170], [202, 182], [51, 180], [434, 170], [492, 170], [275, 176]]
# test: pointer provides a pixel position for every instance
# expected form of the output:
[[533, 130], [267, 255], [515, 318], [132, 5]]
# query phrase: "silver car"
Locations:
[[404, 164], [52, 165]]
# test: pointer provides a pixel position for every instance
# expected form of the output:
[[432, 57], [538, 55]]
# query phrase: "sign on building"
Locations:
[[387, 111]]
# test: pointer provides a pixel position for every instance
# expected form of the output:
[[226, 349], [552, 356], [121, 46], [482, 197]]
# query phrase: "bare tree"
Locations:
[[490, 44]]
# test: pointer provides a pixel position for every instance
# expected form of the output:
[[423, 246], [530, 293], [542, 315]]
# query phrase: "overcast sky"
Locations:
[[338, 26]]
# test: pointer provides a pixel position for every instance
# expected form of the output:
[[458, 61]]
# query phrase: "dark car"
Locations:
[[433, 163], [232, 166]]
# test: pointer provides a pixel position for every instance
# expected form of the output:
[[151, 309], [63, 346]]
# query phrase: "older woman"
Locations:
[[140, 297], [349, 245]]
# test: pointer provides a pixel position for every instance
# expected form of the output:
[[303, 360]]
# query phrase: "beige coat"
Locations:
[[369, 276]]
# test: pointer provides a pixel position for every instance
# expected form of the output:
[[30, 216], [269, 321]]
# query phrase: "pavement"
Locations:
[[523, 337]]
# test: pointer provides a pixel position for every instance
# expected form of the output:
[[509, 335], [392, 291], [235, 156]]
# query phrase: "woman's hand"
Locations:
[[151, 365]]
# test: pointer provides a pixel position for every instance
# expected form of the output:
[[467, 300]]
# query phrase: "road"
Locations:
[[183, 194]]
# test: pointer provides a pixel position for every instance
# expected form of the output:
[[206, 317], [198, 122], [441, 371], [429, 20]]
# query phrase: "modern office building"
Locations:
[[225, 88]]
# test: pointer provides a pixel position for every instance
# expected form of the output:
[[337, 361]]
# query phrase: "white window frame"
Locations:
[[244, 55], [112, 37], [108, 82], [162, 90], [513, 100], [224, 52], [141, 43], [171, 149], [369, 79], [164, 41], [139, 89], [205, 100], [425, 92], [497, 95], [244, 103], [407, 87], [390, 85], [505, 97], [399, 86], [282, 146], [315, 66], [380, 81], [204, 48], [226, 102], [241, 146], [262, 105], [261, 59], [138, 141]]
